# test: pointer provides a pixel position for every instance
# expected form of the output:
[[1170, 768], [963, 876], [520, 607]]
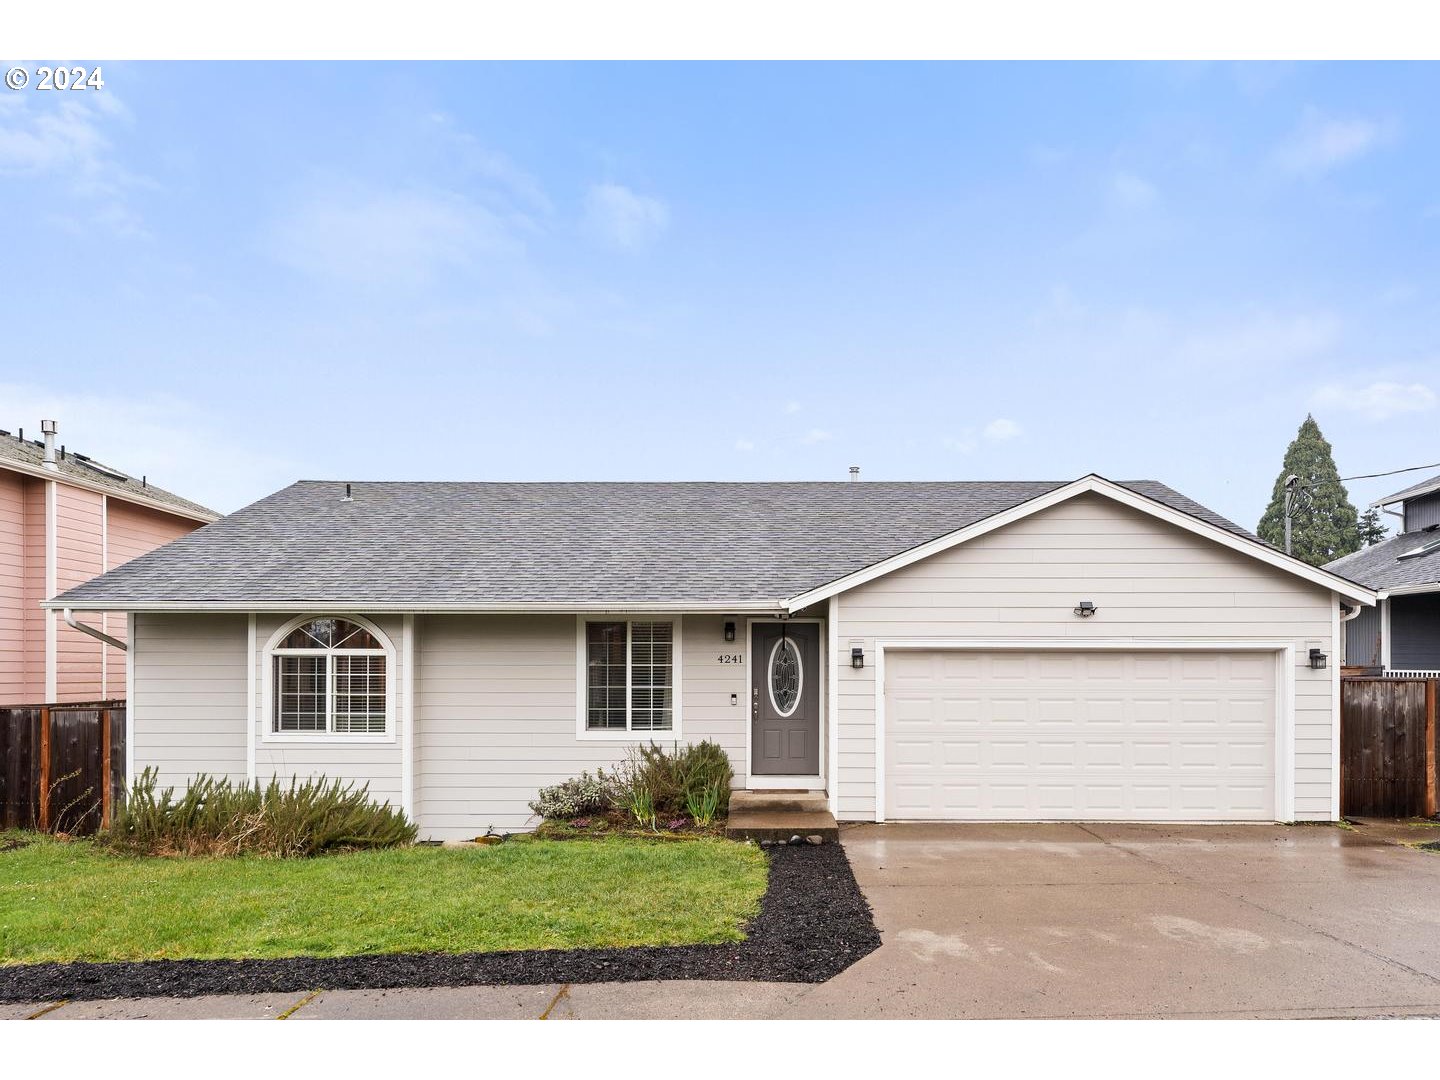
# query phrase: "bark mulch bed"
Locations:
[[813, 924]]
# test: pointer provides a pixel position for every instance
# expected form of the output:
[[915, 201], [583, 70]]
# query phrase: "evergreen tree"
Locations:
[[1324, 525], [1371, 529]]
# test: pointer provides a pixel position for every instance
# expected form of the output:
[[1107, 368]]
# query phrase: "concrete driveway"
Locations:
[[1039, 921]]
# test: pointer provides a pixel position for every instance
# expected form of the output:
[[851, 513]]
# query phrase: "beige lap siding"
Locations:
[[188, 702], [1151, 582], [334, 757], [496, 705]]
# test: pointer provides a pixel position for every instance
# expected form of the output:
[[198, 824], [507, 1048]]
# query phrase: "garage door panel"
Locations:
[[1070, 736]]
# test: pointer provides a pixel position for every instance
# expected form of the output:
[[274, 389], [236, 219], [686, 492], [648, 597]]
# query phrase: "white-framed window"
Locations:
[[329, 677], [628, 672]]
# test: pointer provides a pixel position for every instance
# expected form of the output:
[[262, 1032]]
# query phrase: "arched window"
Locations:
[[330, 678]]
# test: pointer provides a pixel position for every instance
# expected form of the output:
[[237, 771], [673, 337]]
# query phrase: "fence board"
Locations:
[[1387, 752], [62, 767]]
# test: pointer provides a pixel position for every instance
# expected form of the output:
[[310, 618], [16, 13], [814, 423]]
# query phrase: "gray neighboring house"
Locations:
[[1087, 650], [1401, 634]]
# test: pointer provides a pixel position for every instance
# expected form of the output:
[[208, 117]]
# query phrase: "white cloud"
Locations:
[[1378, 400], [744, 445], [791, 408], [1131, 192], [618, 216], [1001, 429], [64, 139], [380, 238], [169, 440], [1321, 143], [815, 435]]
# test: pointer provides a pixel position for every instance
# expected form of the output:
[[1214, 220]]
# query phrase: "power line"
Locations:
[[1369, 476]]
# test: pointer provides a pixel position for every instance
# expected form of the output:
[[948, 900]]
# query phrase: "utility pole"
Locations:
[[1290, 482]]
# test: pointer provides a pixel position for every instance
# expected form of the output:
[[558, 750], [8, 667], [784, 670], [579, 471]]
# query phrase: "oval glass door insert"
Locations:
[[786, 677]]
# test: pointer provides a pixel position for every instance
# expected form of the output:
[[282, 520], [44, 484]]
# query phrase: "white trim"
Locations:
[[269, 737], [560, 607], [407, 716], [677, 692], [1385, 634], [832, 701], [251, 677], [1409, 590], [52, 651], [130, 701], [1284, 691], [1337, 630], [810, 783], [102, 489], [1100, 486]]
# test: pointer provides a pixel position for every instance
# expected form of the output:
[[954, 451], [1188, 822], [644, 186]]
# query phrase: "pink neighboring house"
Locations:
[[64, 518]]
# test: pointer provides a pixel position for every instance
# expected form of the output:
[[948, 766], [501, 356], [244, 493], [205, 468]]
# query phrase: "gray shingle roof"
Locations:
[[1380, 566], [89, 471], [453, 544], [1424, 487]]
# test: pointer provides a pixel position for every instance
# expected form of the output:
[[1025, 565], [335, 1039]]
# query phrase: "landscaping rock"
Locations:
[[815, 838]]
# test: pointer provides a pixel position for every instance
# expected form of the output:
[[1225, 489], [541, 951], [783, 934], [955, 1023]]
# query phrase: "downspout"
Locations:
[[99, 635]]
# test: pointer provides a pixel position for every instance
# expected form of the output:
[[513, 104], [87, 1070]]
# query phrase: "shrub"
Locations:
[[680, 776], [702, 805], [580, 796], [218, 817]]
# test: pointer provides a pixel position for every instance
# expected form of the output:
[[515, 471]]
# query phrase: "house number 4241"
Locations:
[[731, 658]]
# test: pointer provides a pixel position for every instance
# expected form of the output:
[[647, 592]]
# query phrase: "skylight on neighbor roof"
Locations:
[[1424, 549]]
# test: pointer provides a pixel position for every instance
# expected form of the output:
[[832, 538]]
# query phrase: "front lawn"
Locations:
[[70, 901]]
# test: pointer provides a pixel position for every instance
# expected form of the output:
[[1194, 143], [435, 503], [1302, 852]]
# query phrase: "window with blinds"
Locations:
[[330, 678], [630, 670]]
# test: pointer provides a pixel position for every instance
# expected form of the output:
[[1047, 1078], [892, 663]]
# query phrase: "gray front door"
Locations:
[[785, 699]]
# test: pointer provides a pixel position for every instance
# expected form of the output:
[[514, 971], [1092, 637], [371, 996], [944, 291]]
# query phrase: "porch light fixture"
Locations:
[[1086, 608], [857, 658], [729, 631], [1317, 659]]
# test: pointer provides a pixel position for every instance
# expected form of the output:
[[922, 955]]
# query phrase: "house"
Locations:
[[1004, 651], [1401, 634], [65, 517]]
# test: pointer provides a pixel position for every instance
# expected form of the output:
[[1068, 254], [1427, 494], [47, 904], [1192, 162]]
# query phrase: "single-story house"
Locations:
[[925, 651], [1401, 634]]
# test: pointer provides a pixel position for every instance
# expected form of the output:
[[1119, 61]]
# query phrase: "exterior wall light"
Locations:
[[1317, 659], [729, 631], [1086, 608], [857, 658]]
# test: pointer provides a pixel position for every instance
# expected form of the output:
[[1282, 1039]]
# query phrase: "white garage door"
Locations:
[[1101, 736]]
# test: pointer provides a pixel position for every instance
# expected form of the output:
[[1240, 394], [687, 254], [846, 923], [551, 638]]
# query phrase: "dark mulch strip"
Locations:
[[813, 924]]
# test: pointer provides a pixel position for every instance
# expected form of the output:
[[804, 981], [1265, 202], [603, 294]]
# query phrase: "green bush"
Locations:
[[681, 775], [218, 817]]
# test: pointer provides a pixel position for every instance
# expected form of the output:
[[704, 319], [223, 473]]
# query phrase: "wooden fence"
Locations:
[[1387, 747], [61, 766]]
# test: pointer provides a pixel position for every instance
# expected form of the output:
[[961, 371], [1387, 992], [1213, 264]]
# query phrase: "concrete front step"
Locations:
[[779, 816], [766, 801]]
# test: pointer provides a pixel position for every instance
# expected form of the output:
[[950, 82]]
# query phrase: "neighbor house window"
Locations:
[[330, 678], [629, 676]]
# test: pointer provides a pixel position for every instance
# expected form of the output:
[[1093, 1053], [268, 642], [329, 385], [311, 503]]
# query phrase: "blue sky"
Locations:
[[232, 276]]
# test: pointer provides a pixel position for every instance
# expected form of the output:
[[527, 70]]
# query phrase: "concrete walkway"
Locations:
[[1034, 921]]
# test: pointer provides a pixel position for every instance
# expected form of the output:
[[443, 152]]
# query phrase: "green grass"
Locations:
[[70, 901]]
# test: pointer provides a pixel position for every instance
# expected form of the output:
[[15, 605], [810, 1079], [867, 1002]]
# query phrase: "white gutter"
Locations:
[[1408, 590], [102, 489], [98, 635], [562, 607]]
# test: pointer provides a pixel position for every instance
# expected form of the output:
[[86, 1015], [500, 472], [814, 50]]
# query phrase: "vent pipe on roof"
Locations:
[[48, 428], [854, 473], [348, 497]]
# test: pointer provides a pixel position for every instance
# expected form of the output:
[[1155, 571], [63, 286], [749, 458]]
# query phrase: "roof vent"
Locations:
[[48, 429], [854, 474], [348, 497]]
